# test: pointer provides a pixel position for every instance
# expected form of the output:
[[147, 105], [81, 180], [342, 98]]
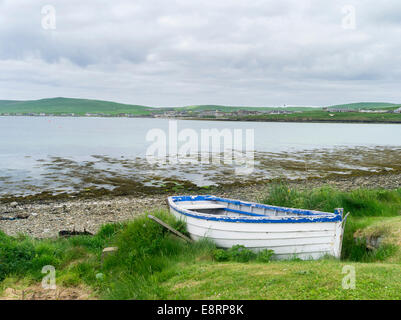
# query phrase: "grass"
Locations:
[[324, 116], [25, 256], [146, 255], [360, 202], [365, 105], [69, 105], [284, 280], [153, 264], [366, 207]]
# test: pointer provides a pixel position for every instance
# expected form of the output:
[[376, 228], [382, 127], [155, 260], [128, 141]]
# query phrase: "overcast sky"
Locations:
[[182, 52]]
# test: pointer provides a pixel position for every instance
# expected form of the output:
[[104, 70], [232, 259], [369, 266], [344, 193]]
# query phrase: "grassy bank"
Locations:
[[318, 116], [153, 264], [366, 207], [79, 107]]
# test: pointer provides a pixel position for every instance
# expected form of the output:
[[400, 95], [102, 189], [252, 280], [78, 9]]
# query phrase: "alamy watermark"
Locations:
[[349, 18], [48, 17], [348, 281], [226, 146], [49, 281]]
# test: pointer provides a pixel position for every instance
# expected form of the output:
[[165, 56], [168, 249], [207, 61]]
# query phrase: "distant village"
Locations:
[[176, 113], [361, 110], [218, 113], [163, 113]]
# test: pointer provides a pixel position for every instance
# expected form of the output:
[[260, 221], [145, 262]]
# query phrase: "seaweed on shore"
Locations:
[[106, 176]]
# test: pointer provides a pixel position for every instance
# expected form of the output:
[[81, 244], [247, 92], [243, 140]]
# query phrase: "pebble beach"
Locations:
[[45, 218]]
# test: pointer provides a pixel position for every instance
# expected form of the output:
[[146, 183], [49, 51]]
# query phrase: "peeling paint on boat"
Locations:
[[289, 232]]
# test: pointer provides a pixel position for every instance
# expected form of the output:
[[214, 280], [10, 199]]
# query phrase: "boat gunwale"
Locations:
[[308, 216]]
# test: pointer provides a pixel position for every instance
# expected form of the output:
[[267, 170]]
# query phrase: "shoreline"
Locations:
[[222, 119], [45, 218], [294, 121]]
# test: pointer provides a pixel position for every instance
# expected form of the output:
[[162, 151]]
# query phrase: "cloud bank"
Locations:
[[179, 52]]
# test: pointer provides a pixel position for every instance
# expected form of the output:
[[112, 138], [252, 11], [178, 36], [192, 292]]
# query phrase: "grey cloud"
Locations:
[[188, 52]]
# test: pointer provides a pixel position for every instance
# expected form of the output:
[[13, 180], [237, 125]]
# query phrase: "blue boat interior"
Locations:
[[216, 206]]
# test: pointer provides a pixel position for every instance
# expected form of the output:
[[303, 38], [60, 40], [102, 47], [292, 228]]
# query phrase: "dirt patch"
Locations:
[[390, 229], [36, 292], [381, 233]]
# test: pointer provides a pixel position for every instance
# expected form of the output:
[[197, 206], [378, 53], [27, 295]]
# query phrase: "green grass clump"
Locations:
[[264, 256], [25, 256], [147, 254], [360, 202], [366, 206], [239, 253], [221, 255], [15, 256]]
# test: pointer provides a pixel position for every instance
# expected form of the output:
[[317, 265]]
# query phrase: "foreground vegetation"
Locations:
[[153, 264]]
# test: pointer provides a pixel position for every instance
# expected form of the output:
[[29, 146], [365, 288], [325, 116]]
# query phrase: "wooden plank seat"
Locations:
[[203, 206]]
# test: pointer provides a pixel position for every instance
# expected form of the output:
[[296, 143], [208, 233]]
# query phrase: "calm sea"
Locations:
[[33, 150]]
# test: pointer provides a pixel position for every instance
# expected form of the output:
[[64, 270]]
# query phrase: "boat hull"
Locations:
[[287, 240], [304, 240]]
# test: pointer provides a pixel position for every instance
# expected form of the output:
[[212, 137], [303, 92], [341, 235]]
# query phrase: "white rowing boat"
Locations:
[[305, 234]]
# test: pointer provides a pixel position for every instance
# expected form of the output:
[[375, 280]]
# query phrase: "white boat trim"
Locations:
[[300, 215]]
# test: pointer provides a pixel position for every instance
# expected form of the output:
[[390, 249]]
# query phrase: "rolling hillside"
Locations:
[[69, 105], [365, 105], [82, 106], [58, 106]]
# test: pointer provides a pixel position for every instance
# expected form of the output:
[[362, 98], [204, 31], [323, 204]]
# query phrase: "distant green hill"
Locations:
[[70, 105], [82, 106], [365, 105]]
